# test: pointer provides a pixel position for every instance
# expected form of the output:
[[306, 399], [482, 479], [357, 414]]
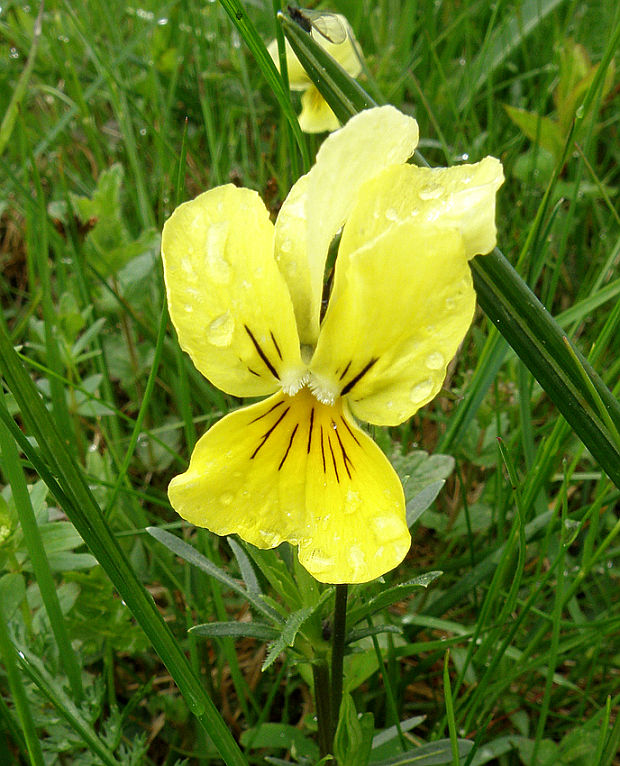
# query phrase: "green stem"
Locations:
[[320, 673], [338, 638]]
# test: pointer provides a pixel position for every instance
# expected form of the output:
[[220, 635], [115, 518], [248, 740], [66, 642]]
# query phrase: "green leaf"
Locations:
[[390, 596], [280, 736], [12, 593], [353, 739], [387, 743], [543, 131], [288, 635], [431, 754], [193, 557], [422, 501], [55, 694], [359, 633], [21, 89], [278, 575], [258, 630], [501, 43], [543, 347]]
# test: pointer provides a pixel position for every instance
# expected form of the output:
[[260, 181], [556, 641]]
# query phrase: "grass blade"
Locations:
[[248, 32], [38, 557]]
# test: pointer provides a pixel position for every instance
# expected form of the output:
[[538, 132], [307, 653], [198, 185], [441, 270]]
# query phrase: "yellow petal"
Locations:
[[399, 309], [460, 197], [347, 53], [292, 469], [297, 77], [226, 296], [291, 256], [368, 143], [316, 114]]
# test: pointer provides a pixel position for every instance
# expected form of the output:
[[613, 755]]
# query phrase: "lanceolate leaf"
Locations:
[[505, 297]]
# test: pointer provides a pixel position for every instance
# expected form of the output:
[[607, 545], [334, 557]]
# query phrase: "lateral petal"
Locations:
[[460, 197], [399, 309], [226, 296], [292, 469], [368, 143]]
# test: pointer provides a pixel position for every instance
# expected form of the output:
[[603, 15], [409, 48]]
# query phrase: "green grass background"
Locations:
[[112, 115]]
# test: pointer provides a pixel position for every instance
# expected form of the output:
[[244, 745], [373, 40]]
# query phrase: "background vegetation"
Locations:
[[111, 114]]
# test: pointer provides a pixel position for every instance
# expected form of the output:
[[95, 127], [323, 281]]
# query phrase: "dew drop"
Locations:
[[320, 562], [356, 557], [391, 214], [421, 391], [432, 191], [387, 527], [226, 498], [286, 246], [216, 265], [435, 361], [221, 330], [352, 502], [450, 303]]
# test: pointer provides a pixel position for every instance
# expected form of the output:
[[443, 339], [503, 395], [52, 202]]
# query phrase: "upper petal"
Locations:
[[368, 143], [460, 197], [226, 296], [399, 309], [292, 469]]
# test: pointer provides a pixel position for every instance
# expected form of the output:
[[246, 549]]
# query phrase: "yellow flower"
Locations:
[[316, 114], [245, 297]]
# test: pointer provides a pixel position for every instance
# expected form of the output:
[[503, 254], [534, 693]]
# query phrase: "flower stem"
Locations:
[[338, 639], [328, 685], [320, 673]]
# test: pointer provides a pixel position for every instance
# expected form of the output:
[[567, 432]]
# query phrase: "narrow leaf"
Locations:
[[258, 630], [193, 557], [430, 754], [390, 596]]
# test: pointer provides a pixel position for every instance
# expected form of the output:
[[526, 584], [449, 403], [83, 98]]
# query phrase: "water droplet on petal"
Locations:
[[217, 267], [226, 498], [286, 246], [319, 562], [450, 303], [391, 214], [421, 391], [435, 361], [352, 501], [387, 527], [431, 191], [357, 558], [221, 330]]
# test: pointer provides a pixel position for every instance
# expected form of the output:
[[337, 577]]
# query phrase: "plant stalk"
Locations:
[[338, 639]]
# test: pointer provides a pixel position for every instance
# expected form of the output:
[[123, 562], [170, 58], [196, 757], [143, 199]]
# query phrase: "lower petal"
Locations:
[[316, 114], [293, 469]]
